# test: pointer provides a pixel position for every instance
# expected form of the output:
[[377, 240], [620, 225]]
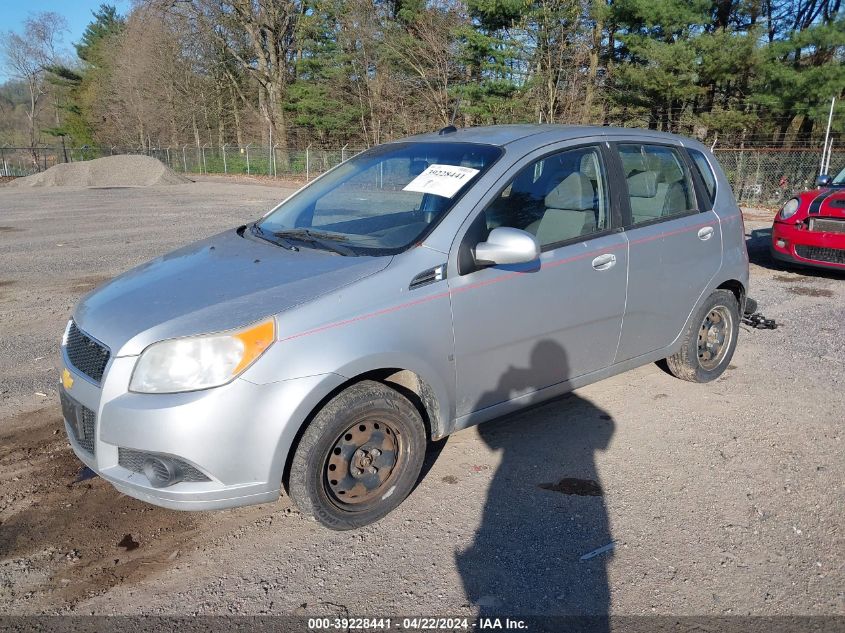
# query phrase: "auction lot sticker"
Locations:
[[441, 180]]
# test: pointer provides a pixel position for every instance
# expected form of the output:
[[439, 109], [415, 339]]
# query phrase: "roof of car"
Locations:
[[504, 134]]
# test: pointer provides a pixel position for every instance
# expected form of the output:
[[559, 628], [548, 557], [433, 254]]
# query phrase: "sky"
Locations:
[[13, 13]]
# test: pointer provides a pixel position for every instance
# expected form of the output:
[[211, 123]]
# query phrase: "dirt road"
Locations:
[[724, 498]]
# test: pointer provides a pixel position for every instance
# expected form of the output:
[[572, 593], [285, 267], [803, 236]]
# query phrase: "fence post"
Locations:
[[247, 158], [308, 163], [3, 154], [223, 150], [343, 152], [184, 159], [274, 159], [204, 167]]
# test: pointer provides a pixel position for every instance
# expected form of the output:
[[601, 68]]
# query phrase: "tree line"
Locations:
[[359, 72]]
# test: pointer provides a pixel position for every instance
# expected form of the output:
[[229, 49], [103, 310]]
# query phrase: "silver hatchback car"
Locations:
[[407, 293]]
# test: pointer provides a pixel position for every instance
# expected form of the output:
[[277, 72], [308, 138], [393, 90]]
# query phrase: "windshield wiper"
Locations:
[[278, 240], [321, 239]]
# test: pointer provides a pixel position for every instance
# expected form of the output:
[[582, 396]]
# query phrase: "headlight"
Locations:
[[789, 208], [200, 362]]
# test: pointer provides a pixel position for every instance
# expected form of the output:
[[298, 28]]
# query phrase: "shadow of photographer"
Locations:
[[545, 507]]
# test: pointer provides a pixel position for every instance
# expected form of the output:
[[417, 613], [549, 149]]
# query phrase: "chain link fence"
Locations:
[[769, 177], [255, 160], [764, 177]]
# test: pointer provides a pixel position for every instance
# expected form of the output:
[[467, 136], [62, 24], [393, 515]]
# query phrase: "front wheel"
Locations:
[[710, 340], [359, 457]]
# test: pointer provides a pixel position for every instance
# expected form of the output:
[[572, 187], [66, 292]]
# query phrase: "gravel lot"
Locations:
[[722, 499]]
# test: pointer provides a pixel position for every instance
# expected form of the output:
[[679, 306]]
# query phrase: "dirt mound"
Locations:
[[112, 171]]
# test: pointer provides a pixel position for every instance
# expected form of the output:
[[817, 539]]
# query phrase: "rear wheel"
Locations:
[[710, 340], [359, 458]]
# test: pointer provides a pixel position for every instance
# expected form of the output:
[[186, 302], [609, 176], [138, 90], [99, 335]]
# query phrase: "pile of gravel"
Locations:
[[112, 171]]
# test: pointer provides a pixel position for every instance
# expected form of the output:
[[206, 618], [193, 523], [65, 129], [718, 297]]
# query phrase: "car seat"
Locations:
[[570, 211]]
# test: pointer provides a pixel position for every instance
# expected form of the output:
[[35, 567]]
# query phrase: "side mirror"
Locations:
[[823, 181], [506, 245]]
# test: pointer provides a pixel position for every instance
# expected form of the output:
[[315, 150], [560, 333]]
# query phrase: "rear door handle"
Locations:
[[603, 262], [706, 233]]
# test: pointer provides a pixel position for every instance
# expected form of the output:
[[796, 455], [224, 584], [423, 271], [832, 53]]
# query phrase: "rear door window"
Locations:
[[659, 184], [707, 175]]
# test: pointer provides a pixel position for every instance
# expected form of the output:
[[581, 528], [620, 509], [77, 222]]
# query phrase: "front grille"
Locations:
[[86, 354], [134, 460], [829, 255], [82, 422], [827, 225]]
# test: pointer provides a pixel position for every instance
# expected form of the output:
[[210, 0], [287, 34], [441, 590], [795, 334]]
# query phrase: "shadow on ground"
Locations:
[[545, 509], [758, 241]]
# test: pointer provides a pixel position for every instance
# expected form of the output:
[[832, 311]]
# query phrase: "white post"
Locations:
[[715, 139], [204, 168], [225, 168], [308, 163], [247, 157], [826, 136], [184, 159], [274, 160], [829, 152], [343, 152], [270, 165]]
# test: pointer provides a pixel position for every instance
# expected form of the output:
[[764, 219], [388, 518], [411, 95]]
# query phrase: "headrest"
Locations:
[[643, 184], [588, 166], [575, 192], [672, 172], [418, 166]]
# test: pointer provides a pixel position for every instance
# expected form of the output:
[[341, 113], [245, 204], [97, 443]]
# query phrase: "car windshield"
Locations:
[[382, 200], [840, 178]]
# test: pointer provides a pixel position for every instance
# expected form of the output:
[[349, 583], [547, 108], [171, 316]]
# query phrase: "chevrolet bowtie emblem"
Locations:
[[67, 379]]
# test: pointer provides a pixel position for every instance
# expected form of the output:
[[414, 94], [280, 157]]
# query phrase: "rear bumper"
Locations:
[[238, 435], [807, 248]]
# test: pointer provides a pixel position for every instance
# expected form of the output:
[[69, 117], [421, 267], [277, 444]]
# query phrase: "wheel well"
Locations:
[[737, 289], [406, 382]]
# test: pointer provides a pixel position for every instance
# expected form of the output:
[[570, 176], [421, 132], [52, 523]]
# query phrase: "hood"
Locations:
[[223, 282], [827, 201]]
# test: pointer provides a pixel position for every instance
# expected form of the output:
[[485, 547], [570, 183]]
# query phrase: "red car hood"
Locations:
[[827, 201]]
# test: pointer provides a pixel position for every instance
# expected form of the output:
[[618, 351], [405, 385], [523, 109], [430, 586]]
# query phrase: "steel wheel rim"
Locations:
[[363, 463], [714, 337]]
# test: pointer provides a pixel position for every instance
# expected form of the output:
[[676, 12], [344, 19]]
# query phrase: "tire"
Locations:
[[359, 457], [702, 357]]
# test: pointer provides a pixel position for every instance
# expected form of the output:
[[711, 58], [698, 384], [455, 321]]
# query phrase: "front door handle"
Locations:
[[603, 262], [705, 233]]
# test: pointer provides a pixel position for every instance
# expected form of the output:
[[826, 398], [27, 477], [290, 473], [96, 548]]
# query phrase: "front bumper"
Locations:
[[237, 435], [808, 248]]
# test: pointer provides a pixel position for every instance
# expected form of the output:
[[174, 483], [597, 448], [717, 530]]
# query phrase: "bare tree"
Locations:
[[27, 57], [261, 36]]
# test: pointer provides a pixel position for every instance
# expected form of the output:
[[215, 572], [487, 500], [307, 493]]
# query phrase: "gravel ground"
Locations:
[[721, 499]]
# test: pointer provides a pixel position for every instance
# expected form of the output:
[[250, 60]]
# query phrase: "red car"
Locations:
[[810, 228]]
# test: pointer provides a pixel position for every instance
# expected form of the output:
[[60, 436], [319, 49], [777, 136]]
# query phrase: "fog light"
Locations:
[[780, 243], [162, 472]]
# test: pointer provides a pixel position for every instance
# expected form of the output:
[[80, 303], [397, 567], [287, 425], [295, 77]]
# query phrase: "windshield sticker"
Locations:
[[441, 180]]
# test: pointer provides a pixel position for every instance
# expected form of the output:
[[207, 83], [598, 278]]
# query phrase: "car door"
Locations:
[[675, 244], [522, 328]]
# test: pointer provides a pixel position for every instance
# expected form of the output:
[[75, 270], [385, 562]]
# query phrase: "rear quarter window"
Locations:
[[706, 172]]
